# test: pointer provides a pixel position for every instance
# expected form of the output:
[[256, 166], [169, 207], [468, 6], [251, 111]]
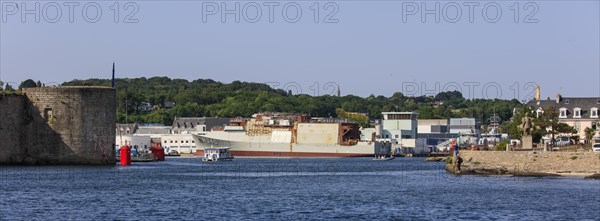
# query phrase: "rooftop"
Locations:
[[399, 113]]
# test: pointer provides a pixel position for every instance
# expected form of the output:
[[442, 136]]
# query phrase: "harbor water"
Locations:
[[281, 188]]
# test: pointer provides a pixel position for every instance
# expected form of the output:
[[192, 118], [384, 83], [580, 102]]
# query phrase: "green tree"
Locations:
[[501, 146], [162, 116], [549, 119], [513, 127], [27, 84], [362, 120], [8, 88]]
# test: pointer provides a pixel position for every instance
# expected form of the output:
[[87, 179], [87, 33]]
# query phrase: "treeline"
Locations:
[[205, 97], [7, 88]]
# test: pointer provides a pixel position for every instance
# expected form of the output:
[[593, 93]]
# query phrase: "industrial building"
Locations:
[[401, 128], [176, 137], [435, 132], [468, 128], [399, 125]]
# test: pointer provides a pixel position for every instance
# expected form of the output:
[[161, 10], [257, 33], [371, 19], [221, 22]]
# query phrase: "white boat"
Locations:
[[384, 158], [383, 151], [217, 154]]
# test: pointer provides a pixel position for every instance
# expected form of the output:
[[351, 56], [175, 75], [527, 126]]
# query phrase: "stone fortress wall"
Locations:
[[58, 125]]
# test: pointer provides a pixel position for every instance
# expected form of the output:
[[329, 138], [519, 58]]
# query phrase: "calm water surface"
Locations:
[[278, 189]]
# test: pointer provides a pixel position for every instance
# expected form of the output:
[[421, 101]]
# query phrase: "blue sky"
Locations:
[[370, 50]]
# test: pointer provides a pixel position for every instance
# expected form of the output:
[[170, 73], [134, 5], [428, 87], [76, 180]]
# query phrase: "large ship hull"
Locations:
[[241, 144]]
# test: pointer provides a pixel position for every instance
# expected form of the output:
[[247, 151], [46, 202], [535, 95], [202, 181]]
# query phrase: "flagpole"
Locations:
[[113, 75]]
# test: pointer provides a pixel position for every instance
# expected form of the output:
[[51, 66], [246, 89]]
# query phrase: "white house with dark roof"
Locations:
[[578, 112], [127, 134], [189, 125], [176, 137], [182, 129], [126, 129]]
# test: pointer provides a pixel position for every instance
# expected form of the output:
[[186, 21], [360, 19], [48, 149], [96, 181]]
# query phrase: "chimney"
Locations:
[[558, 98]]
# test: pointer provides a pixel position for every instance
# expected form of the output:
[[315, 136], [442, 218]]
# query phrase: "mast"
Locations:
[[494, 121], [126, 106]]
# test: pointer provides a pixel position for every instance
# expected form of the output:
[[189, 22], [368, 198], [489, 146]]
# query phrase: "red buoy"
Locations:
[[125, 158], [158, 152]]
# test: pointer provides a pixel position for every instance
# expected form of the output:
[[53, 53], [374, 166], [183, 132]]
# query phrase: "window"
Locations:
[[171, 141], [47, 114], [165, 141], [566, 101], [539, 112], [398, 116], [396, 136], [577, 112], [563, 113], [594, 112]]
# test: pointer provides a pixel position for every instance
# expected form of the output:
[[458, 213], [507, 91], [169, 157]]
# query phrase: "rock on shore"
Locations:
[[435, 159], [594, 176]]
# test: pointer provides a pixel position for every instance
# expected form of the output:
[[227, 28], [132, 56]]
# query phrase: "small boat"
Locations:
[[383, 151], [384, 157], [143, 158], [217, 154], [173, 153]]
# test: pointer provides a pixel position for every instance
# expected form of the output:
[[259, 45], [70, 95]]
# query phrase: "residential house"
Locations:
[[578, 112]]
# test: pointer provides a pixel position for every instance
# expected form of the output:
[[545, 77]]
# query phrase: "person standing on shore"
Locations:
[[459, 161], [455, 146]]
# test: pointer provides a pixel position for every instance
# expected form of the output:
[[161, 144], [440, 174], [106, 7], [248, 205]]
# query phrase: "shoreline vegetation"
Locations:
[[527, 164], [209, 98]]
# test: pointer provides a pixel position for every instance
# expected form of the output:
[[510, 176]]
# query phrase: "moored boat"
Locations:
[[288, 136], [383, 150], [217, 154]]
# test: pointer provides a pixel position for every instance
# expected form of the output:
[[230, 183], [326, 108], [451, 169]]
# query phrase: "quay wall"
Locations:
[[528, 162], [60, 125]]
